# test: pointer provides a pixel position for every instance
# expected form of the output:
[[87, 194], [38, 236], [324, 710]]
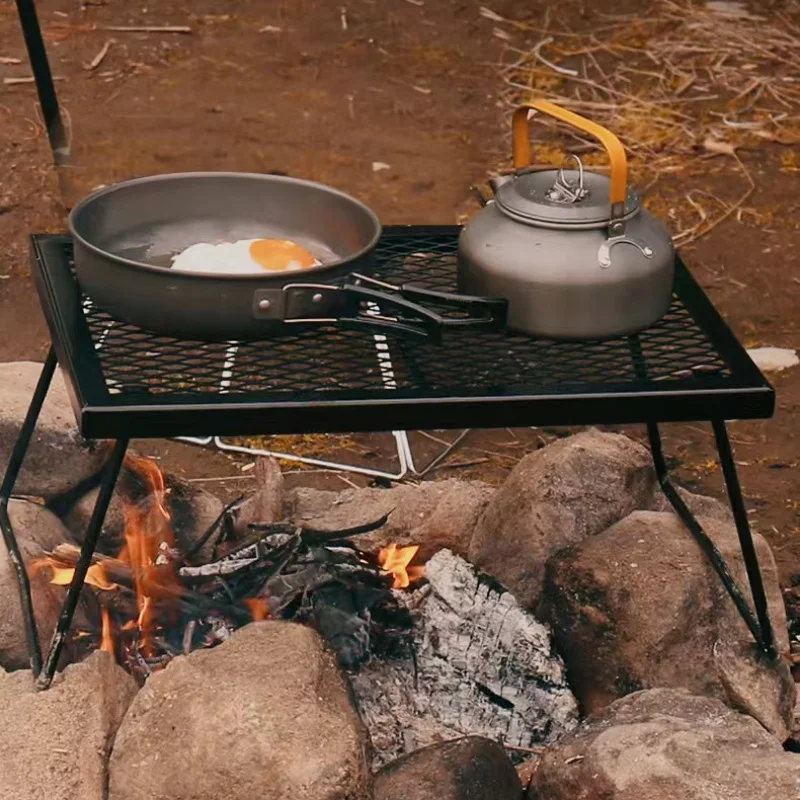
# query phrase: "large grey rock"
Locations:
[[56, 743], [481, 665], [191, 508], [639, 606], [266, 714], [554, 498], [36, 531], [58, 458], [435, 515], [471, 768], [700, 505], [665, 744]]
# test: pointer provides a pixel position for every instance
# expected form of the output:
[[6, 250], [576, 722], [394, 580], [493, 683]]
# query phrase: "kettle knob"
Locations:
[[500, 180]]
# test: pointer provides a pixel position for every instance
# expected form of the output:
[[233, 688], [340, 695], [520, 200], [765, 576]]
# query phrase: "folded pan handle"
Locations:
[[377, 306]]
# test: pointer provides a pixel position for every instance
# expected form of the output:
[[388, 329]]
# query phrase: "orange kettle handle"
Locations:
[[612, 145]]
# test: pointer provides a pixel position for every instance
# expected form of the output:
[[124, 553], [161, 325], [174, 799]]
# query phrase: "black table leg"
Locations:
[[109, 481], [760, 627], [12, 471], [745, 538]]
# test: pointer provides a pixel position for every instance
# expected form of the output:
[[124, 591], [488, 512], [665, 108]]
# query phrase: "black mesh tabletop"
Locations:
[[129, 382]]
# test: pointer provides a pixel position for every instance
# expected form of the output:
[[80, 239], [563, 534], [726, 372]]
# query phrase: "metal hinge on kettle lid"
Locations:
[[564, 191]]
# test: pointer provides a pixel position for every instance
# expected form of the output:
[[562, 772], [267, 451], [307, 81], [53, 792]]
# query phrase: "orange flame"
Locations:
[[149, 552], [258, 608], [395, 561], [107, 637], [62, 576], [149, 538]]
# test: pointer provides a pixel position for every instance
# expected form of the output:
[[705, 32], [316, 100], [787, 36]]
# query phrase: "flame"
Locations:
[[62, 576], [107, 638], [395, 561], [149, 539], [258, 608]]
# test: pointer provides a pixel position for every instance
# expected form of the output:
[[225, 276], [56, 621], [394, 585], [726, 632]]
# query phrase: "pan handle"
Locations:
[[612, 145], [394, 309]]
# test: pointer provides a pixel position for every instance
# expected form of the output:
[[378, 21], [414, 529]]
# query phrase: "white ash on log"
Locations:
[[481, 665]]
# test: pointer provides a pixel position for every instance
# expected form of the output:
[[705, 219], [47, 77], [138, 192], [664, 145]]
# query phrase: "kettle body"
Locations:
[[574, 252], [554, 283]]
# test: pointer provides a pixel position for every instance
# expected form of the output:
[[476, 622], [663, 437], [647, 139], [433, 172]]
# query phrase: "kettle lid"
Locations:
[[561, 197]]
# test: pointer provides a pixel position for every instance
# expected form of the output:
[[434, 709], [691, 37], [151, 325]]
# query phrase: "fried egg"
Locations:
[[245, 257]]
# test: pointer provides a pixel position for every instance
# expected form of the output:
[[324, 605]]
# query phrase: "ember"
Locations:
[[155, 604]]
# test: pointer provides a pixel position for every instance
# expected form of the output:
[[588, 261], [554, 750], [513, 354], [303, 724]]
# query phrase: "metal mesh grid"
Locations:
[[139, 364]]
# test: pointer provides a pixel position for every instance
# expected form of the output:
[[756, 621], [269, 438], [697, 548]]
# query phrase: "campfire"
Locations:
[[411, 641], [154, 602]]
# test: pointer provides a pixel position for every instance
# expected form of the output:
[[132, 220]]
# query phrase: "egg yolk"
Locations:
[[280, 254]]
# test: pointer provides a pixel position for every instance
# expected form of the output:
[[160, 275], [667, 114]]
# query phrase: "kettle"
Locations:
[[573, 251]]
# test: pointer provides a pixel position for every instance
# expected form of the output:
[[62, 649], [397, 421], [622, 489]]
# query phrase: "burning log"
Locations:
[[477, 663], [155, 605], [115, 571]]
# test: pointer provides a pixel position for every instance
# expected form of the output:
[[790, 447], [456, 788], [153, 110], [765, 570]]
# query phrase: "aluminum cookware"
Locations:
[[574, 251], [126, 235]]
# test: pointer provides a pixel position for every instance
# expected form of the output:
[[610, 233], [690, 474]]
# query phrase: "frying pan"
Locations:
[[126, 235]]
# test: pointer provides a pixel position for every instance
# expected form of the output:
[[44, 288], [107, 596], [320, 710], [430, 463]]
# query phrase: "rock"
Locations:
[[699, 505], [481, 665], [265, 714], [56, 743], [665, 744], [773, 359], [192, 509], [471, 768], [36, 531], [554, 498], [639, 606], [58, 458], [435, 514]]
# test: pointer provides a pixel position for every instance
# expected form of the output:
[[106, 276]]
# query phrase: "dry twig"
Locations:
[[677, 86], [149, 28], [98, 59]]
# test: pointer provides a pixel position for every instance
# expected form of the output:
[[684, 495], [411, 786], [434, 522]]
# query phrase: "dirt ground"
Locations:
[[322, 90]]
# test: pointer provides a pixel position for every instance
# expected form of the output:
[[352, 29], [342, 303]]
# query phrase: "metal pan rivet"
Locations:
[[317, 298], [264, 304]]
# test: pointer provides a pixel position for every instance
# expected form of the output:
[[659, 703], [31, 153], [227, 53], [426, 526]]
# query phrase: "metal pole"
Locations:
[[84, 562], [12, 471], [43, 76], [707, 545], [745, 537]]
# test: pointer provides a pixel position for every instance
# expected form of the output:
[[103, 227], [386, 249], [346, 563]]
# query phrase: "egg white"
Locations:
[[225, 259]]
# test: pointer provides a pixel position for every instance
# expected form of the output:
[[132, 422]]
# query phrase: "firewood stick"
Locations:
[[116, 571], [119, 572]]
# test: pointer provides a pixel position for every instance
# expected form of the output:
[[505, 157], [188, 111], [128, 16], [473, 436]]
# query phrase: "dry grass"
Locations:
[[682, 86]]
